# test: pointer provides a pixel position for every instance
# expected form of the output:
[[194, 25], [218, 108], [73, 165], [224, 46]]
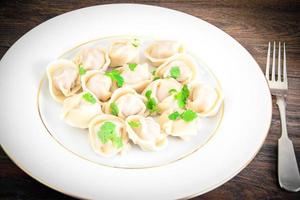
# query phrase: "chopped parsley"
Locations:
[[182, 96], [114, 109], [132, 66], [89, 98], [134, 124], [175, 72], [82, 71], [151, 103], [156, 78], [107, 132], [148, 94], [172, 91], [153, 72], [187, 115], [135, 42], [173, 116], [115, 76]]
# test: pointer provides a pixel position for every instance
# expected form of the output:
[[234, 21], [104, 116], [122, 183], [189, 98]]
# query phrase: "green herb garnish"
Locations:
[[151, 103], [172, 91], [188, 115], [114, 109], [148, 94], [156, 78], [107, 132], [135, 42], [175, 72], [134, 124], [173, 116], [82, 71], [182, 96], [132, 66], [115, 76], [153, 72], [89, 98]]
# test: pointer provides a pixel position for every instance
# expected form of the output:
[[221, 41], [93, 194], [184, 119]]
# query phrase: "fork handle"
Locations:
[[281, 105], [288, 173]]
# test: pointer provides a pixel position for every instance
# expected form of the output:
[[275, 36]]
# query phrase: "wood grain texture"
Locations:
[[252, 23]]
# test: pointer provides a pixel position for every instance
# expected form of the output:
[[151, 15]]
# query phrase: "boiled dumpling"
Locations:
[[179, 127], [145, 132], [204, 99], [162, 91], [97, 83], [125, 102], [181, 67], [92, 58], [162, 88], [107, 135], [79, 109], [159, 51], [64, 80], [124, 51], [136, 76]]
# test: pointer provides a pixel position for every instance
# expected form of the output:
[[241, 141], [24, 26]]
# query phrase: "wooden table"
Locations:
[[253, 24]]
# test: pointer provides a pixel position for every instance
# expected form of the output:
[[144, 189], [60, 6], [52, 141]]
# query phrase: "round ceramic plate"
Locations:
[[60, 157]]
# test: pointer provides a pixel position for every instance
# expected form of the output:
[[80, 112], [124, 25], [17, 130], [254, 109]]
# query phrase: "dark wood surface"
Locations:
[[252, 23]]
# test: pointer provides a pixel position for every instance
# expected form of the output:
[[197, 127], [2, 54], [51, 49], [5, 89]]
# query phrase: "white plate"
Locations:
[[76, 171]]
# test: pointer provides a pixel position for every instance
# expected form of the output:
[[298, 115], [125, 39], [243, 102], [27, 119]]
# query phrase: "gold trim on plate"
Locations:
[[124, 167]]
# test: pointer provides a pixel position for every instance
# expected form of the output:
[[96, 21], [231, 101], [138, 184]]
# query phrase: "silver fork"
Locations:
[[288, 173]]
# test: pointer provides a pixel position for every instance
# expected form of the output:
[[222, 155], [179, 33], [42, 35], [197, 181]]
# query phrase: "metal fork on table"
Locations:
[[288, 173]]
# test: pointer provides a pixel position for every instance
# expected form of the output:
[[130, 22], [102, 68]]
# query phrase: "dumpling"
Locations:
[[124, 51], [125, 102], [93, 58], [107, 135], [145, 132], [162, 92], [179, 127], [136, 76], [159, 51], [162, 88], [204, 99], [97, 83], [64, 79], [181, 67], [79, 109]]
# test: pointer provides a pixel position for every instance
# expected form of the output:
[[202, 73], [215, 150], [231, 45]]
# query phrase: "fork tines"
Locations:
[[278, 74]]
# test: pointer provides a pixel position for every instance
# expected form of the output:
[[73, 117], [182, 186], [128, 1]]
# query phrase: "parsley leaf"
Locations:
[[135, 42], [173, 116], [115, 76], [151, 103], [155, 78], [89, 98], [182, 96], [117, 141], [172, 91], [188, 115], [175, 72], [153, 72], [114, 109], [134, 124], [148, 94], [132, 66], [107, 133], [82, 71]]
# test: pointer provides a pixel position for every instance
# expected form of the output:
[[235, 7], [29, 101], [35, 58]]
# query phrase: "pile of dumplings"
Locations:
[[123, 101]]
